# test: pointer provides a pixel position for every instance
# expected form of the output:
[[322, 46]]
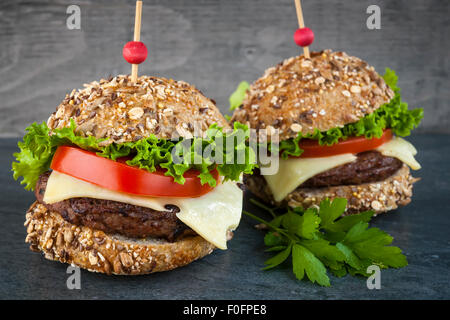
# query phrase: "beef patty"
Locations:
[[369, 166], [117, 217]]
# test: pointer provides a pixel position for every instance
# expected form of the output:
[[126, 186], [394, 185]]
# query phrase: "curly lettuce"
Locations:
[[203, 154]]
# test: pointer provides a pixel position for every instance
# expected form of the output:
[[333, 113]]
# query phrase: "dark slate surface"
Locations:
[[214, 45], [420, 229]]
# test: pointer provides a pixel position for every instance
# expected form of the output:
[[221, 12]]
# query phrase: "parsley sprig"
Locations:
[[320, 239]]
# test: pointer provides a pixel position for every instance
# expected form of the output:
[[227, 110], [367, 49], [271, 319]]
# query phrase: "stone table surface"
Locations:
[[421, 229]]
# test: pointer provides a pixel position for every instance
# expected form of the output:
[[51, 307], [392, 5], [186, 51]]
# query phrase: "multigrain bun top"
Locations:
[[124, 111], [299, 95]]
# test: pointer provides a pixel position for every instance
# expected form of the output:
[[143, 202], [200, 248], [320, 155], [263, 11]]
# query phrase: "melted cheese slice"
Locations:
[[293, 172], [210, 215], [402, 150]]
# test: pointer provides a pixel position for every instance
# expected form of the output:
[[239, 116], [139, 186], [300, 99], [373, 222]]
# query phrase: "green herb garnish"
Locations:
[[320, 239]]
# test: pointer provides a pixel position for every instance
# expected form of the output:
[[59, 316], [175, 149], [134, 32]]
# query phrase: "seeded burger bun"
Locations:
[[122, 111], [329, 90], [98, 251], [334, 89]]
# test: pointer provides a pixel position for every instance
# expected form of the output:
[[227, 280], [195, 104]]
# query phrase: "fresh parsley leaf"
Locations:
[[292, 222], [321, 239], [330, 211], [328, 253], [350, 258], [276, 248], [278, 258], [340, 272], [303, 261], [273, 239], [345, 223], [372, 244], [309, 224]]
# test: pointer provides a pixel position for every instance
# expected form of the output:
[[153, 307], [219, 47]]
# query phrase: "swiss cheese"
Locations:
[[210, 215], [402, 150], [293, 172]]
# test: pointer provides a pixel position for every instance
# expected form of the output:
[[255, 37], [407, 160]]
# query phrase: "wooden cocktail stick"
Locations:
[[137, 37], [301, 24]]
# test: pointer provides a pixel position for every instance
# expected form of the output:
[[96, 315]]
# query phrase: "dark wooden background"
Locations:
[[214, 45]]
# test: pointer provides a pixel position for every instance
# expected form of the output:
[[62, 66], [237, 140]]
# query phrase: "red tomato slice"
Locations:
[[118, 176], [354, 145]]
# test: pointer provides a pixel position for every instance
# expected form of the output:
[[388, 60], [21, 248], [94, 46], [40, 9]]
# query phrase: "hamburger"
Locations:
[[122, 181], [340, 125]]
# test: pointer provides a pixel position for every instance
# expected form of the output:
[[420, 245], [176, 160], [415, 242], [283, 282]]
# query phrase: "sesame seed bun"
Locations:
[[380, 196], [300, 95], [96, 251], [124, 111]]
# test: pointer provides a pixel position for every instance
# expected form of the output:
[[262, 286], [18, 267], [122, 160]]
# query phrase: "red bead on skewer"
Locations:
[[303, 37], [135, 52]]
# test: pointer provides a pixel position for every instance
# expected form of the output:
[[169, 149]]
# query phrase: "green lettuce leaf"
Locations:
[[39, 145], [238, 95]]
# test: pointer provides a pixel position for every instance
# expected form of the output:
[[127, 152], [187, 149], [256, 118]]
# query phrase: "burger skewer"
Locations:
[[137, 37], [135, 52], [302, 36]]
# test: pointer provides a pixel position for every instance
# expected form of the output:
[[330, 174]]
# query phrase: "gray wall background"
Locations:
[[214, 45]]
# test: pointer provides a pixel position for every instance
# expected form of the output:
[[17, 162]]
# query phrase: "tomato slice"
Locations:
[[354, 145], [118, 176]]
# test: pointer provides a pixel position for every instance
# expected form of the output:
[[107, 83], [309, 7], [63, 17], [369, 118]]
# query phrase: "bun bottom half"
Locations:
[[381, 196], [96, 251]]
